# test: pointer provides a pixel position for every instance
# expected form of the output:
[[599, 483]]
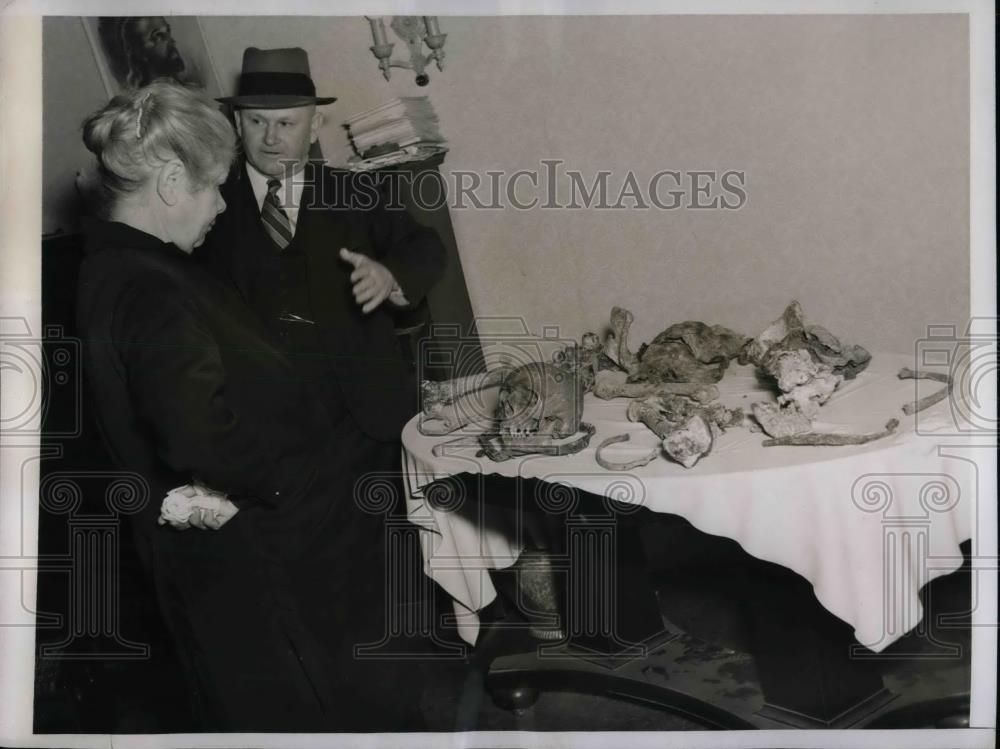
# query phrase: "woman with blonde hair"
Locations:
[[188, 389]]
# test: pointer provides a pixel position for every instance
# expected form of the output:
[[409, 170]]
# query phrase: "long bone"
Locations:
[[609, 384], [442, 409], [616, 344], [832, 440]]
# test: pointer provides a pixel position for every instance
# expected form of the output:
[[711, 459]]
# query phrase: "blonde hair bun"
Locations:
[[141, 129]]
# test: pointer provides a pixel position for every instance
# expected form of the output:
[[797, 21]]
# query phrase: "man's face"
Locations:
[[276, 141], [159, 49]]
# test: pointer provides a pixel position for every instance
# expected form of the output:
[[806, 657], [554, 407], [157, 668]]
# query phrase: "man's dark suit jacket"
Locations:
[[338, 209]]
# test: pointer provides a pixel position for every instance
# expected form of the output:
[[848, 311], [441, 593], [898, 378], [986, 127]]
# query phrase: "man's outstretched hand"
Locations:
[[373, 282]]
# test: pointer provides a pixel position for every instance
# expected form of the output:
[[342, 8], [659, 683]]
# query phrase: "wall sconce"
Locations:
[[415, 31]]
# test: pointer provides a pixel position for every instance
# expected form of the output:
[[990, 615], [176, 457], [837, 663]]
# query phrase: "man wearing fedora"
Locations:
[[318, 256]]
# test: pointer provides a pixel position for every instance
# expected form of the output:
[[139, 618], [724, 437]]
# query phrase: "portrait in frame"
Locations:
[[131, 51]]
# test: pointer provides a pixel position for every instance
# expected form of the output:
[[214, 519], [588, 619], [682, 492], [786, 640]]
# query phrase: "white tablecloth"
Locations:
[[867, 525]]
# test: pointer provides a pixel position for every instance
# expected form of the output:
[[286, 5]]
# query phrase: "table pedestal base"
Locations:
[[713, 687], [804, 659], [515, 681], [853, 717]]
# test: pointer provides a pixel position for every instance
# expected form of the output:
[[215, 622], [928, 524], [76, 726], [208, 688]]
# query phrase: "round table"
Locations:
[[866, 525]]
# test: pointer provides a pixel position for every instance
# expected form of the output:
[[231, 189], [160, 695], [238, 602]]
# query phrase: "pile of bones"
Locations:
[[671, 385]]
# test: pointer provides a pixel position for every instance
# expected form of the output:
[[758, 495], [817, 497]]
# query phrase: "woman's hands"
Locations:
[[196, 505]]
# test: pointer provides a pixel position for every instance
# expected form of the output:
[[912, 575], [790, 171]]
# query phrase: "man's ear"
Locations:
[[238, 120], [170, 182], [315, 125]]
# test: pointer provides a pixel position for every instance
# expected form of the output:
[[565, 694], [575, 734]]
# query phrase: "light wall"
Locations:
[[852, 132], [71, 89]]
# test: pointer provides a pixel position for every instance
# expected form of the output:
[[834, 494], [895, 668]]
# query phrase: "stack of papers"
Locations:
[[394, 158], [405, 121]]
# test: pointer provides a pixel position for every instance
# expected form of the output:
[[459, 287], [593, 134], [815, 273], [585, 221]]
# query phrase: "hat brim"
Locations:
[[275, 101]]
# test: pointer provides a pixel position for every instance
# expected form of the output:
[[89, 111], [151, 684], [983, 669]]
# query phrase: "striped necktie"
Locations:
[[276, 222]]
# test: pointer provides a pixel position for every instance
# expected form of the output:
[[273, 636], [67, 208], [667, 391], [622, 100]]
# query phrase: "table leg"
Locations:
[[803, 656], [611, 609], [615, 641]]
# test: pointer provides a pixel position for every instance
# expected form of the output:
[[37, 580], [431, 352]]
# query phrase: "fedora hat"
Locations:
[[275, 79]]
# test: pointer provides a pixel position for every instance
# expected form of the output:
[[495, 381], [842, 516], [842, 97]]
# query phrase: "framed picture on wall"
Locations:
[[131, 51]]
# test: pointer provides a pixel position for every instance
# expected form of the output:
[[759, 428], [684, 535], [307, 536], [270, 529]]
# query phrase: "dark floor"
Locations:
[[699, 582]]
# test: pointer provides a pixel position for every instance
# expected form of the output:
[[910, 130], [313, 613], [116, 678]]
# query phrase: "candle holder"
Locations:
[[415, 32]]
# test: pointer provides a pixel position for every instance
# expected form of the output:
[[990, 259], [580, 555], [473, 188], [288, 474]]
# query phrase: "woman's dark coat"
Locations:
[[186, 385]]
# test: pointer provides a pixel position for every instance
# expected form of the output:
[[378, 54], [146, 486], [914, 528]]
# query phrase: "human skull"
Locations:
[[539, 400]]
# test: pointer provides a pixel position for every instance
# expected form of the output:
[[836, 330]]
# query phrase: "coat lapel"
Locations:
[[244, 238], [320, 233]]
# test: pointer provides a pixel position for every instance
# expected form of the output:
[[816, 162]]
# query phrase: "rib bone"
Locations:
[[833, 440], [908, 374], [627, 465]]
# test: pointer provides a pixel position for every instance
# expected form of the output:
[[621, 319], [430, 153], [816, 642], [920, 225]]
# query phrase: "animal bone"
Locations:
[[810, 396], [805, 384], [495, 447], [435, 393], [445, 418], [688, 352], [790, 368], [648, 414], [586, 359], [790, 333], [722, 417], [616, 344], [908, 374], [447, 405], [686, 441], [780, 421], [679, 409], [845, 360], [609, 384], [689, 443], [834, 440], [802, 381], [627, 465], [791, 319]]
